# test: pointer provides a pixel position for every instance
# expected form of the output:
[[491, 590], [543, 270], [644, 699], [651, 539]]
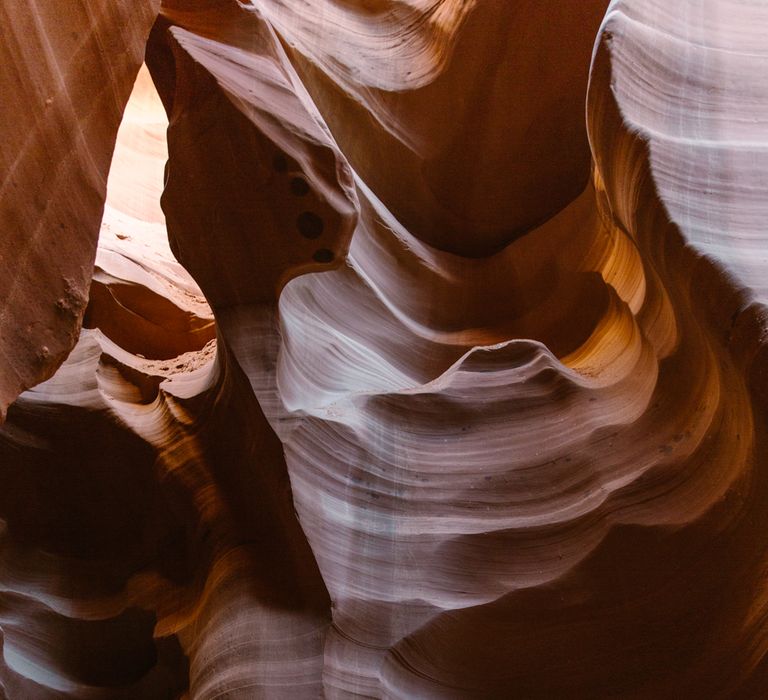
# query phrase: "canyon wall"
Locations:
[[424, 353]]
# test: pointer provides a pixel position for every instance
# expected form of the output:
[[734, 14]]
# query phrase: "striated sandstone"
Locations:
[[66, 77], [483, 411]]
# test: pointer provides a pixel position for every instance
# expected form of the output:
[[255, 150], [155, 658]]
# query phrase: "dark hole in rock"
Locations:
[[299, 186], [323, 255], [310, 225]]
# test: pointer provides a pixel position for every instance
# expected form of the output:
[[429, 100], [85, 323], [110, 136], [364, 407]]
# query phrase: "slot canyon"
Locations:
[[384, 349]]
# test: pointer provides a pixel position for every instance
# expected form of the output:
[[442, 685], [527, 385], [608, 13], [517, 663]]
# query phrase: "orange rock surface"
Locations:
[[423, 352]]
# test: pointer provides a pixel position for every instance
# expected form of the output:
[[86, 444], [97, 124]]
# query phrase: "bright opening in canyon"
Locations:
[[141, 297]]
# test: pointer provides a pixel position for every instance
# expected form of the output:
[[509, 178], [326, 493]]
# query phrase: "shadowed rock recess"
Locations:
[[406, 349]]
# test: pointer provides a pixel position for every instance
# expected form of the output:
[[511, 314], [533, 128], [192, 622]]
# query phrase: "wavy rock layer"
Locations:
[[66, 79], [480, 420]]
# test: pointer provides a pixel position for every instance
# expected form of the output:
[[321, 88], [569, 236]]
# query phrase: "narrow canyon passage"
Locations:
[[421, 351]]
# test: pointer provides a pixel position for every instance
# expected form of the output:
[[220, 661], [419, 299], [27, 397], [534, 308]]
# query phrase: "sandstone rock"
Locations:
[[67, 73], [483, 411]]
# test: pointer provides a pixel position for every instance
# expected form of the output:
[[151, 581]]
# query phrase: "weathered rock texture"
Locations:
[[67, 73], [483, 414]]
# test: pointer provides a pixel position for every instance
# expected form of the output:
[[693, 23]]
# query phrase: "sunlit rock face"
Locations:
[[440, 371], [67, 73]]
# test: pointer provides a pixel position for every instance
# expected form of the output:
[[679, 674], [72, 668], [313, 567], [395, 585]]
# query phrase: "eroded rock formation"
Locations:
[[483, 410], [67, 73]]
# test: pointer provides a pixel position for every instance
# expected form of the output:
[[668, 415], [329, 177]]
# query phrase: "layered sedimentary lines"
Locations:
[[483, 411], [460, 176], [66, 78]]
